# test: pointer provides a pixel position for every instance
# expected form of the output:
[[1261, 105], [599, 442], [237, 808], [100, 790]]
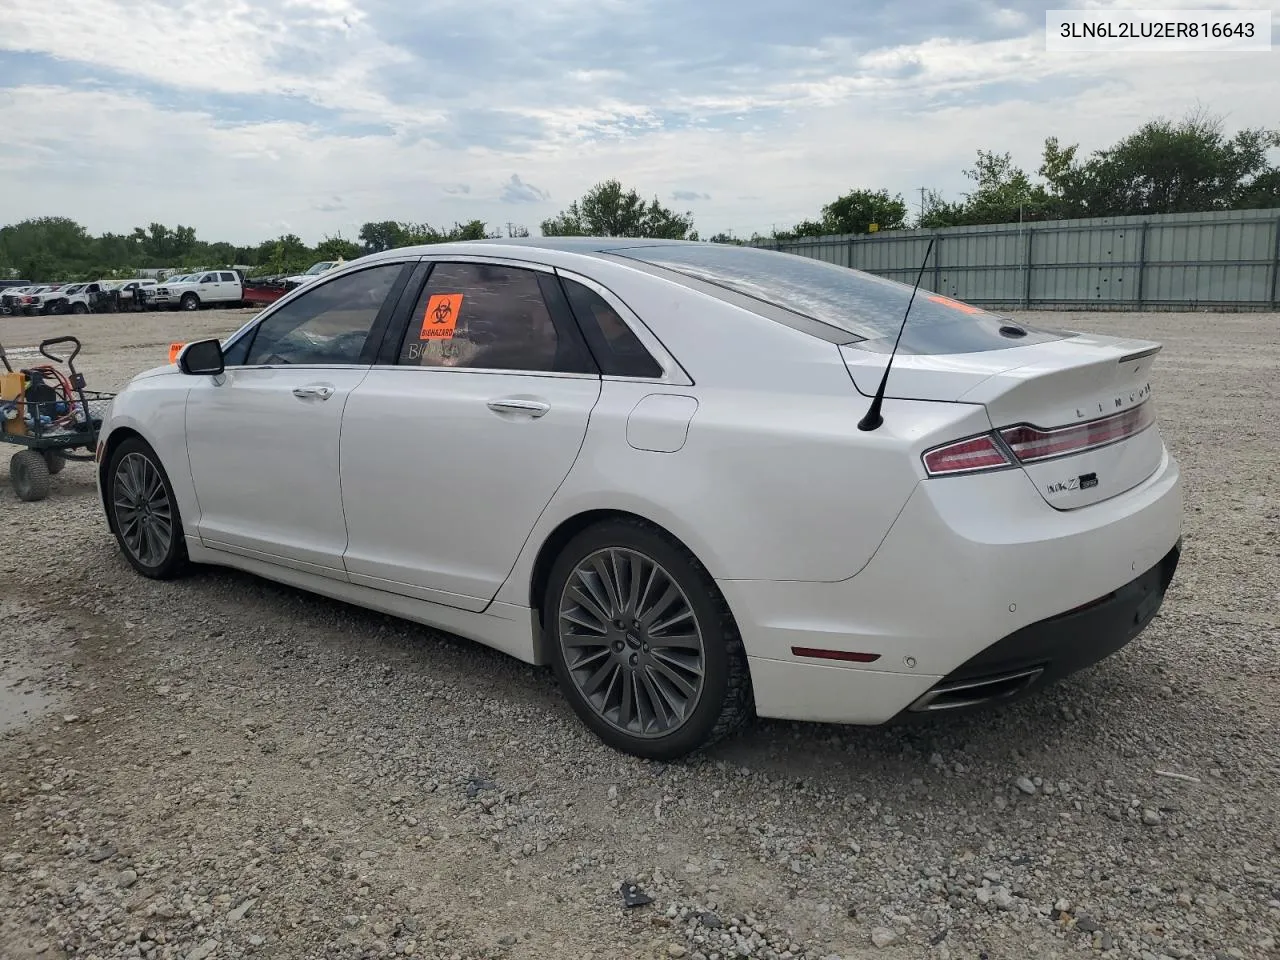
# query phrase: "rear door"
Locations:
[[461, 434], [229, 286]]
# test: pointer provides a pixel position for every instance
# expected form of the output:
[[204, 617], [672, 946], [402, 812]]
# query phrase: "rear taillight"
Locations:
[[1013, 446], [966, 456], [1031, 444]]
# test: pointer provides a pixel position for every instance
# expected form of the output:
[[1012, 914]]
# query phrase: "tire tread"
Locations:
[[30, 466], [738, 708]]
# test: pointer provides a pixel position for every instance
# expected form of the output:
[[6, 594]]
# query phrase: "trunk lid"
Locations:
[[1078, 411]]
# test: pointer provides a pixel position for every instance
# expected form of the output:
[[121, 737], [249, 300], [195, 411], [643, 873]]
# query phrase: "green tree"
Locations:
[[1004, 193], [566, 223], [1166, 167], [337, 248], [286, 254], [855, 211], [382, 235], [608, 210], [391, 234]]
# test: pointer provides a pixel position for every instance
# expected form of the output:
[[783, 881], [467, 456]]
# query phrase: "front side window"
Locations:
[[329, 324], [486, 316]]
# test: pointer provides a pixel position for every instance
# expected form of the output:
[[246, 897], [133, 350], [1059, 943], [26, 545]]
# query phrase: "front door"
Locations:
[[450, 455], [207, 287], [263, 438]]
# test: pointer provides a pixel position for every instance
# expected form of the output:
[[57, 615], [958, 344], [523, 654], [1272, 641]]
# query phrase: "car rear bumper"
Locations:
[[976, 577], [1049, 650]]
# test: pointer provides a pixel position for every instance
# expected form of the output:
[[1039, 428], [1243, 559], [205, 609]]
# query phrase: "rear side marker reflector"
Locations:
[[1025, 443], [817, 653]]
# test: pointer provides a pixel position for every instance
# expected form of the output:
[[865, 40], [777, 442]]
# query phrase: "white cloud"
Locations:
[[824, 116], [516, 190], [237, 48]]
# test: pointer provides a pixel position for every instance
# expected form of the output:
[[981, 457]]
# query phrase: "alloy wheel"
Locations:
[[632, 642], [144, 513]]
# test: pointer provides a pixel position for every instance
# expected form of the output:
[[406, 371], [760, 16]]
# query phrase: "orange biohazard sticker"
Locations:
[[441, 316], [955, 304]]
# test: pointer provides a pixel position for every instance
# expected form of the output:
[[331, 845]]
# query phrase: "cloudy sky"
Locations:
[[248, 118]]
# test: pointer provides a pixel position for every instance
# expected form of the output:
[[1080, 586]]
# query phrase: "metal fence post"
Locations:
[[937, 261], [1026, 288], [1275, 267], [1142, 258]]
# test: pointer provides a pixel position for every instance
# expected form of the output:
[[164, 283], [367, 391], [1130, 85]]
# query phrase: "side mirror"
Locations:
[[202, 358]]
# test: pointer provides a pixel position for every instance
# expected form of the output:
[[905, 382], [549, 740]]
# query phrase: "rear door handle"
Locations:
[[317, 391], [534, 408]]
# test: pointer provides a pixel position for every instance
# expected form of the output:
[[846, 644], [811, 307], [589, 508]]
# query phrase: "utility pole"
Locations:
[[922, 192]]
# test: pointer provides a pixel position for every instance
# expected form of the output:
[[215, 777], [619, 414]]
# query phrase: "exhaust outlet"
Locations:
[[968, 693]]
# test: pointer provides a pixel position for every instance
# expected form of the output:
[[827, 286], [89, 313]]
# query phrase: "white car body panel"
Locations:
[[248, 430], [818, 535], [414, 496], [986, 577]]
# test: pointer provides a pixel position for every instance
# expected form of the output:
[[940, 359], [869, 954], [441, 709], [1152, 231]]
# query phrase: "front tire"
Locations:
[[79, 308], [643, 644], [190, 301], [144, 512], [29, 475]]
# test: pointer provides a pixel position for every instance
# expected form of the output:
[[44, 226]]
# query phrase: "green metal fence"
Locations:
[[1227, 260]]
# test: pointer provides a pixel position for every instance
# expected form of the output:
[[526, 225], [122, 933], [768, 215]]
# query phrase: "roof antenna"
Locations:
[[872, 420]]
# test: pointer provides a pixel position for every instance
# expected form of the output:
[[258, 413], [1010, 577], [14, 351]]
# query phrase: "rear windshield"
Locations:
[[868, 307]]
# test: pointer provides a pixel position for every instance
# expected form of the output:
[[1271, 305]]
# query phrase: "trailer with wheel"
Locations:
[[47, 412]]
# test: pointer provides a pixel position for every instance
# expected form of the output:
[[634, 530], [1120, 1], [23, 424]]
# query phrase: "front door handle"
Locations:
[[534, 408], [316, 391]]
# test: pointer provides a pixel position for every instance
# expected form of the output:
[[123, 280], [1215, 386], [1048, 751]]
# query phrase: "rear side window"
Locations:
[[490, 317], [228, 277], [616, 347]]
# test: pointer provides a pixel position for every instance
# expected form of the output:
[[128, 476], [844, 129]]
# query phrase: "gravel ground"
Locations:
[[222, 767]]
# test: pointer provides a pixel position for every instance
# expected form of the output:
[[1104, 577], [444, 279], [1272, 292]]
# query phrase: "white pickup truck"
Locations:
[[194, 290]]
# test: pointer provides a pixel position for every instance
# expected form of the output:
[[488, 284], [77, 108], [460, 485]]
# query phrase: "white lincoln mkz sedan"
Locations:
[[648, 464]]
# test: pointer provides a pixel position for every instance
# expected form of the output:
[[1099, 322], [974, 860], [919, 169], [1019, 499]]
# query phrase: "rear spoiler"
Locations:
[[1141, 354]]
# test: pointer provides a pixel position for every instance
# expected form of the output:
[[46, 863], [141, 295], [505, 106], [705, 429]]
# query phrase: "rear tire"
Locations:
[[54, 461], [642, 642], [143, 512], [29, 475]]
